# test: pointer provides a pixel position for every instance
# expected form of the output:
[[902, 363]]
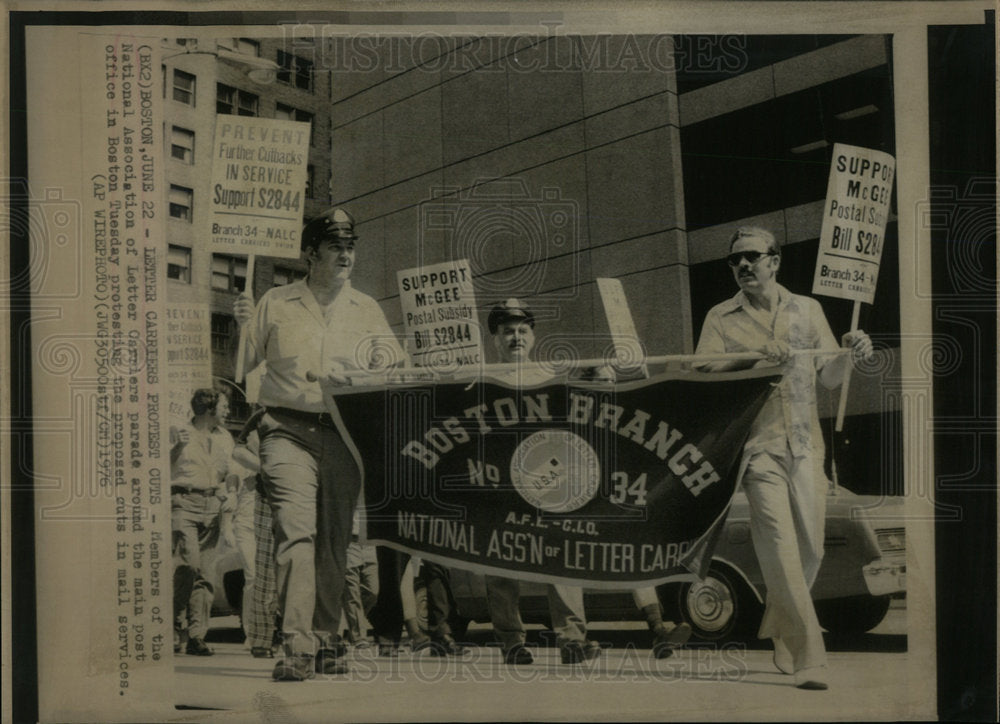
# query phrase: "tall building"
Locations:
[[202, 78]]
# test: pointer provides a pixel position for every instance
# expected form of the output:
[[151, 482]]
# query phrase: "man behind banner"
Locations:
[[314, 326], [783, 458], [512, 325]]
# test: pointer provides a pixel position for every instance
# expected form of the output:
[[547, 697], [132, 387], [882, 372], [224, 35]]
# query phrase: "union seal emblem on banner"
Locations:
[[555, 470]]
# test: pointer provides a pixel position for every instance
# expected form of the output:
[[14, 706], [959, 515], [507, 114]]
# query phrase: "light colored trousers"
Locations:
[[569, 620], [787, 511], [312, 484]]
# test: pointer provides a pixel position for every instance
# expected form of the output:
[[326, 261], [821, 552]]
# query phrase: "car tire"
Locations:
[[852, 614], [420, 598], [722, 607]]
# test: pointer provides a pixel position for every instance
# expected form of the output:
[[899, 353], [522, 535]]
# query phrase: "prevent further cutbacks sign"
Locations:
[[858, 198], [259, 172]]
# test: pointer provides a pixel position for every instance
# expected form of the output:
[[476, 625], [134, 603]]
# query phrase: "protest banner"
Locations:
[[439, 315], [858, 197], [596, 484], [259, 173]]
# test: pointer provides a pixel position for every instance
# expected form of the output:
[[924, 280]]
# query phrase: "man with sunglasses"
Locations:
[[782, 467]]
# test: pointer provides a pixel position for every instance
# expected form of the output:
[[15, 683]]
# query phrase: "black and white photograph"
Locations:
[[502, 362]]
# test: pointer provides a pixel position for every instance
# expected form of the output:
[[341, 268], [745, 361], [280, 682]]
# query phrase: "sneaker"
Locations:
[[517, 655], [669, 636], [446, 646], [422, 642], [294, 668], [198, 647], [262, 652], [388, 649], [330, 661], [783, 658], [813, 678]]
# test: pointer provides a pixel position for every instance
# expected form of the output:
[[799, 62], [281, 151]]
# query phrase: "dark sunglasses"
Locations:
[[752, 257]]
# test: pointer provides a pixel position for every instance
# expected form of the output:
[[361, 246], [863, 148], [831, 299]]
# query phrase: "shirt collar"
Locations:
[[300, 291], [740, 300]]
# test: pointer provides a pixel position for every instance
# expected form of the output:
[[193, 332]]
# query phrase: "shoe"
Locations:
[[198, 647], [517, 655], [294, 668], [576, 652], [813, 678], [388, 650], [418, 639], [783, 658], [330, 662], [262, 652], [668, 636], [421, 643], [446, 646]]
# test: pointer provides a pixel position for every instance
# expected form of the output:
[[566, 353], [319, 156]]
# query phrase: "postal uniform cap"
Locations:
[[510, 310], [334, 223]]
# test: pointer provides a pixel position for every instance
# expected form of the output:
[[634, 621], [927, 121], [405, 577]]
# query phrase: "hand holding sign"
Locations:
[[860, 344]]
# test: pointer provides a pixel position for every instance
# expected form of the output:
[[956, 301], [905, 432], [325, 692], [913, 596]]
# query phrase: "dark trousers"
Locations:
[[387, 615]]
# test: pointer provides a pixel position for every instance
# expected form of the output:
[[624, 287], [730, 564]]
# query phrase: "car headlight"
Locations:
[[891, 540]]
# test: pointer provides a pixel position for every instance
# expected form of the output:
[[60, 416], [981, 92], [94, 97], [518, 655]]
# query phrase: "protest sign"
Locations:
[[858, 197], [439, 315], [259, 171], [851, 239], [189, 356]]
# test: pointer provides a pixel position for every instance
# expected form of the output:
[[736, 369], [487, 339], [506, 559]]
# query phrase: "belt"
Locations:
[[313, 418], [181, 489]]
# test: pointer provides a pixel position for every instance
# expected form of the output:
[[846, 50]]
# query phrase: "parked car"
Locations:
[[864, 566]]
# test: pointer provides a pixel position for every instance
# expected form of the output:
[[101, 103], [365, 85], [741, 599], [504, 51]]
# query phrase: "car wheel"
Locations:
[[852, 614], [420, 598], [721, 607]]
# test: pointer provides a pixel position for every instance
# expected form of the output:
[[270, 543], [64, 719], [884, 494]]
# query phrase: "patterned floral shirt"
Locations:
[[789, 415]]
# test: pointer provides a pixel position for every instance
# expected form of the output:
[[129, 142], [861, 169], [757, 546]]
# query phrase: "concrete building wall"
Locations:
[[548, 174]]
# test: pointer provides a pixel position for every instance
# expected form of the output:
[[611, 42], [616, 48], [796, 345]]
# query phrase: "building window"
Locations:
[[295, 71], [234, 101], [184, 84], [243, 46], [285, 275], [179, 263], [229, 273], [181, 200], [182, 144], [222, 332], [288, 113]]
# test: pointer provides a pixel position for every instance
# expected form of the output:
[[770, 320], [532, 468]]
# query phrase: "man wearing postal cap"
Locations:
[[318, 325], [512, 325]]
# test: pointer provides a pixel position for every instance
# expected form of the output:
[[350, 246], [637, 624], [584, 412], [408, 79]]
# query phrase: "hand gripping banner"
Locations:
[[571, 482]]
